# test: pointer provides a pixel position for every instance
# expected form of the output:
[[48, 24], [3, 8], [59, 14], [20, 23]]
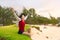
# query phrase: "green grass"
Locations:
[[10, 33]]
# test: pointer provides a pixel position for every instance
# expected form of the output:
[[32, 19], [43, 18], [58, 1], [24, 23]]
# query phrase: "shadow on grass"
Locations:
[[2, 38]]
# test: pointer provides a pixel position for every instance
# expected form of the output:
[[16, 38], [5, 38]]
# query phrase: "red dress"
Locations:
[[21, 25]]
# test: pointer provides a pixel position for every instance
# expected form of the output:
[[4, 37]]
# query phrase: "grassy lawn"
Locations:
[[10, 33]]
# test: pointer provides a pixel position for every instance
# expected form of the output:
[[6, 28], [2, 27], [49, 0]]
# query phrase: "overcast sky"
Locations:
[[43, 7]]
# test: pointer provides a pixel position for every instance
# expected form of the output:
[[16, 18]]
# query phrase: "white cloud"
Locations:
[[52, 6]]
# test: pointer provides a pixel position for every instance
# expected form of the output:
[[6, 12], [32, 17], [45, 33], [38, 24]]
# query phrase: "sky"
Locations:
[[42, 7]]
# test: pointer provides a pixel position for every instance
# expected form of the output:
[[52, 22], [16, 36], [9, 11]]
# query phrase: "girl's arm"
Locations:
[[26, 17], [19, 19]]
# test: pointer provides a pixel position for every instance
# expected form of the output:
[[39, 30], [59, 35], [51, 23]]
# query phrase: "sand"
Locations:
[[48, 33]]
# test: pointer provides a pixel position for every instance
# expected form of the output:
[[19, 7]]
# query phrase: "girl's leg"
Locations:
[[27, 32]]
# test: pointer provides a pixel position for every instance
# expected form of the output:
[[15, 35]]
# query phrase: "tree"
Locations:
[[53, 20], [1, 15], [58, 19], [32, 12], [25, 11], [6, 16]]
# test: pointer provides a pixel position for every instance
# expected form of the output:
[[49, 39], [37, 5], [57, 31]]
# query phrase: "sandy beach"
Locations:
[[48, 33]]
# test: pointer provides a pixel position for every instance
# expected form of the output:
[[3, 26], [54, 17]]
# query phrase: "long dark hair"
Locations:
[[21, 15]]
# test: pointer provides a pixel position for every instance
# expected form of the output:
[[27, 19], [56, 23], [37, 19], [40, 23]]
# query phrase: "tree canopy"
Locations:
[[6, 17]]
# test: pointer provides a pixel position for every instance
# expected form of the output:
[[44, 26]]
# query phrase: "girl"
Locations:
[[21, 22]]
